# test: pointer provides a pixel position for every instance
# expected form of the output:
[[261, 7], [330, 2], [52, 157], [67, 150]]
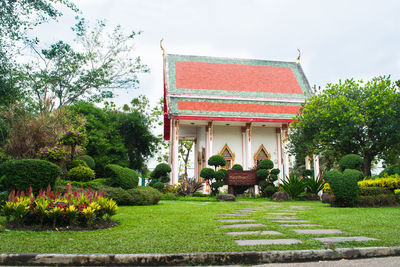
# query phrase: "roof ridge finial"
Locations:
[[162, 47], [298, 57]]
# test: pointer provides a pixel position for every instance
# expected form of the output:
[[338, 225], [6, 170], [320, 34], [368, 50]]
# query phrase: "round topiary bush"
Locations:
[[262, 174], [160, 170], [119, 195], [76, 163], [89, 161], [207, 173], [121, 177], [351, 161], [344, 187], [237, 167], [216, 161], [158, 185], [23, 173], [265, 164], [275, 171], [81, 174], [220, 175]]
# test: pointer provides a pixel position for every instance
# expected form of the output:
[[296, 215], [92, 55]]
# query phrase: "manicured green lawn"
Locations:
[[182, 226]]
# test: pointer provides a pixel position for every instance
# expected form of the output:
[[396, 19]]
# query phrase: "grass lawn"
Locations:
[[184, 226]]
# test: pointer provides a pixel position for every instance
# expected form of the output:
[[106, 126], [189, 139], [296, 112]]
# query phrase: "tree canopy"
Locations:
[[350, 117]]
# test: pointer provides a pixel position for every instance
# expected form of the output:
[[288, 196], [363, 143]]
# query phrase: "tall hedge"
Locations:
[[121, 177], [23, 173]]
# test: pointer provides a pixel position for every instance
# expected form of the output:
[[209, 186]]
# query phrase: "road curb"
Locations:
[[201, 258]]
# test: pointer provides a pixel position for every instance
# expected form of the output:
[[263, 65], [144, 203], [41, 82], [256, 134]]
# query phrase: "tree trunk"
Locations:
[[367, 165]]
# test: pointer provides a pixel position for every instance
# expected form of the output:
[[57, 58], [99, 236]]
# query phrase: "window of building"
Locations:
[[228, 155], [260, 155]]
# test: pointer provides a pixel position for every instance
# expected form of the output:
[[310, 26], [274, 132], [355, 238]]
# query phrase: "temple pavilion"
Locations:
[[240, 109]]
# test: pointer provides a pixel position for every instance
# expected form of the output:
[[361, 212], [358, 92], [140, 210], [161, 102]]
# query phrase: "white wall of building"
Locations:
[[267, 137], [229, 135]]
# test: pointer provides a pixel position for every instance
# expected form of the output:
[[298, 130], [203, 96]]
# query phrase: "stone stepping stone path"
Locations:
[[335, 239], [253, 242], [291, 221], [255, 233], [281, 213], [281, 217], [234, 214], [235, 220], [241, 225], [301, 225], [318, 231]]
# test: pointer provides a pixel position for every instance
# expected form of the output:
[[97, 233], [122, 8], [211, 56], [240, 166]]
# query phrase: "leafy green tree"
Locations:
[[350, 117], [115, 137], [18, 17], [99, 62]]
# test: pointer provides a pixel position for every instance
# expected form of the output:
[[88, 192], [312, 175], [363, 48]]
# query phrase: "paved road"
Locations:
[[371, 262]]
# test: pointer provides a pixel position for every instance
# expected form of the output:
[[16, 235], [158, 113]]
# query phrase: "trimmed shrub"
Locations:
[[351, 161], [262, 174], [265, 164], [121, 177], [160, 170], [119, 195], [81, 174], [168, 196], [267, 190], [237, 167], [158, 185], [144, 195], [216, 161], [207, 173], [275, 171], [344, 187], [355, 173], [377, 200], [89, 161], [374, 191], [23, 173], [391, 182], [90, 184], [76, 163]]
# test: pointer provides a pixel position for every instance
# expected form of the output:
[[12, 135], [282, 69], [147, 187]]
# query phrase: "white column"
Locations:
[[174, 146], [209, 141], [196, 160], [308, 163], [279, 153], [316, 166], [248, 147], [244, 161], [285, 154]]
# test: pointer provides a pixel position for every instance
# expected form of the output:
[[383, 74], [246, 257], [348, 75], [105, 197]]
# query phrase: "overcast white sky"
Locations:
[[337, 39]]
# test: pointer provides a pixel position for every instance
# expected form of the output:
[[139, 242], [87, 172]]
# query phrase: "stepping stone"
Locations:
[[255, 233], [241, 225], [318, 231], [280, 213], [235, 220], [246, 210], [281, 217], [253, 242], [291, 221], [336, 239], [301, 225], [234, 214]]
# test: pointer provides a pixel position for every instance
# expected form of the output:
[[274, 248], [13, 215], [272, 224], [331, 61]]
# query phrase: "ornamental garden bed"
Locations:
[[72, 210]]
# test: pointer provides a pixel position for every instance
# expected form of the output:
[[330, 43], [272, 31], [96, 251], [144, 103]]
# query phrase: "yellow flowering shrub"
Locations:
[[390, 182]]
